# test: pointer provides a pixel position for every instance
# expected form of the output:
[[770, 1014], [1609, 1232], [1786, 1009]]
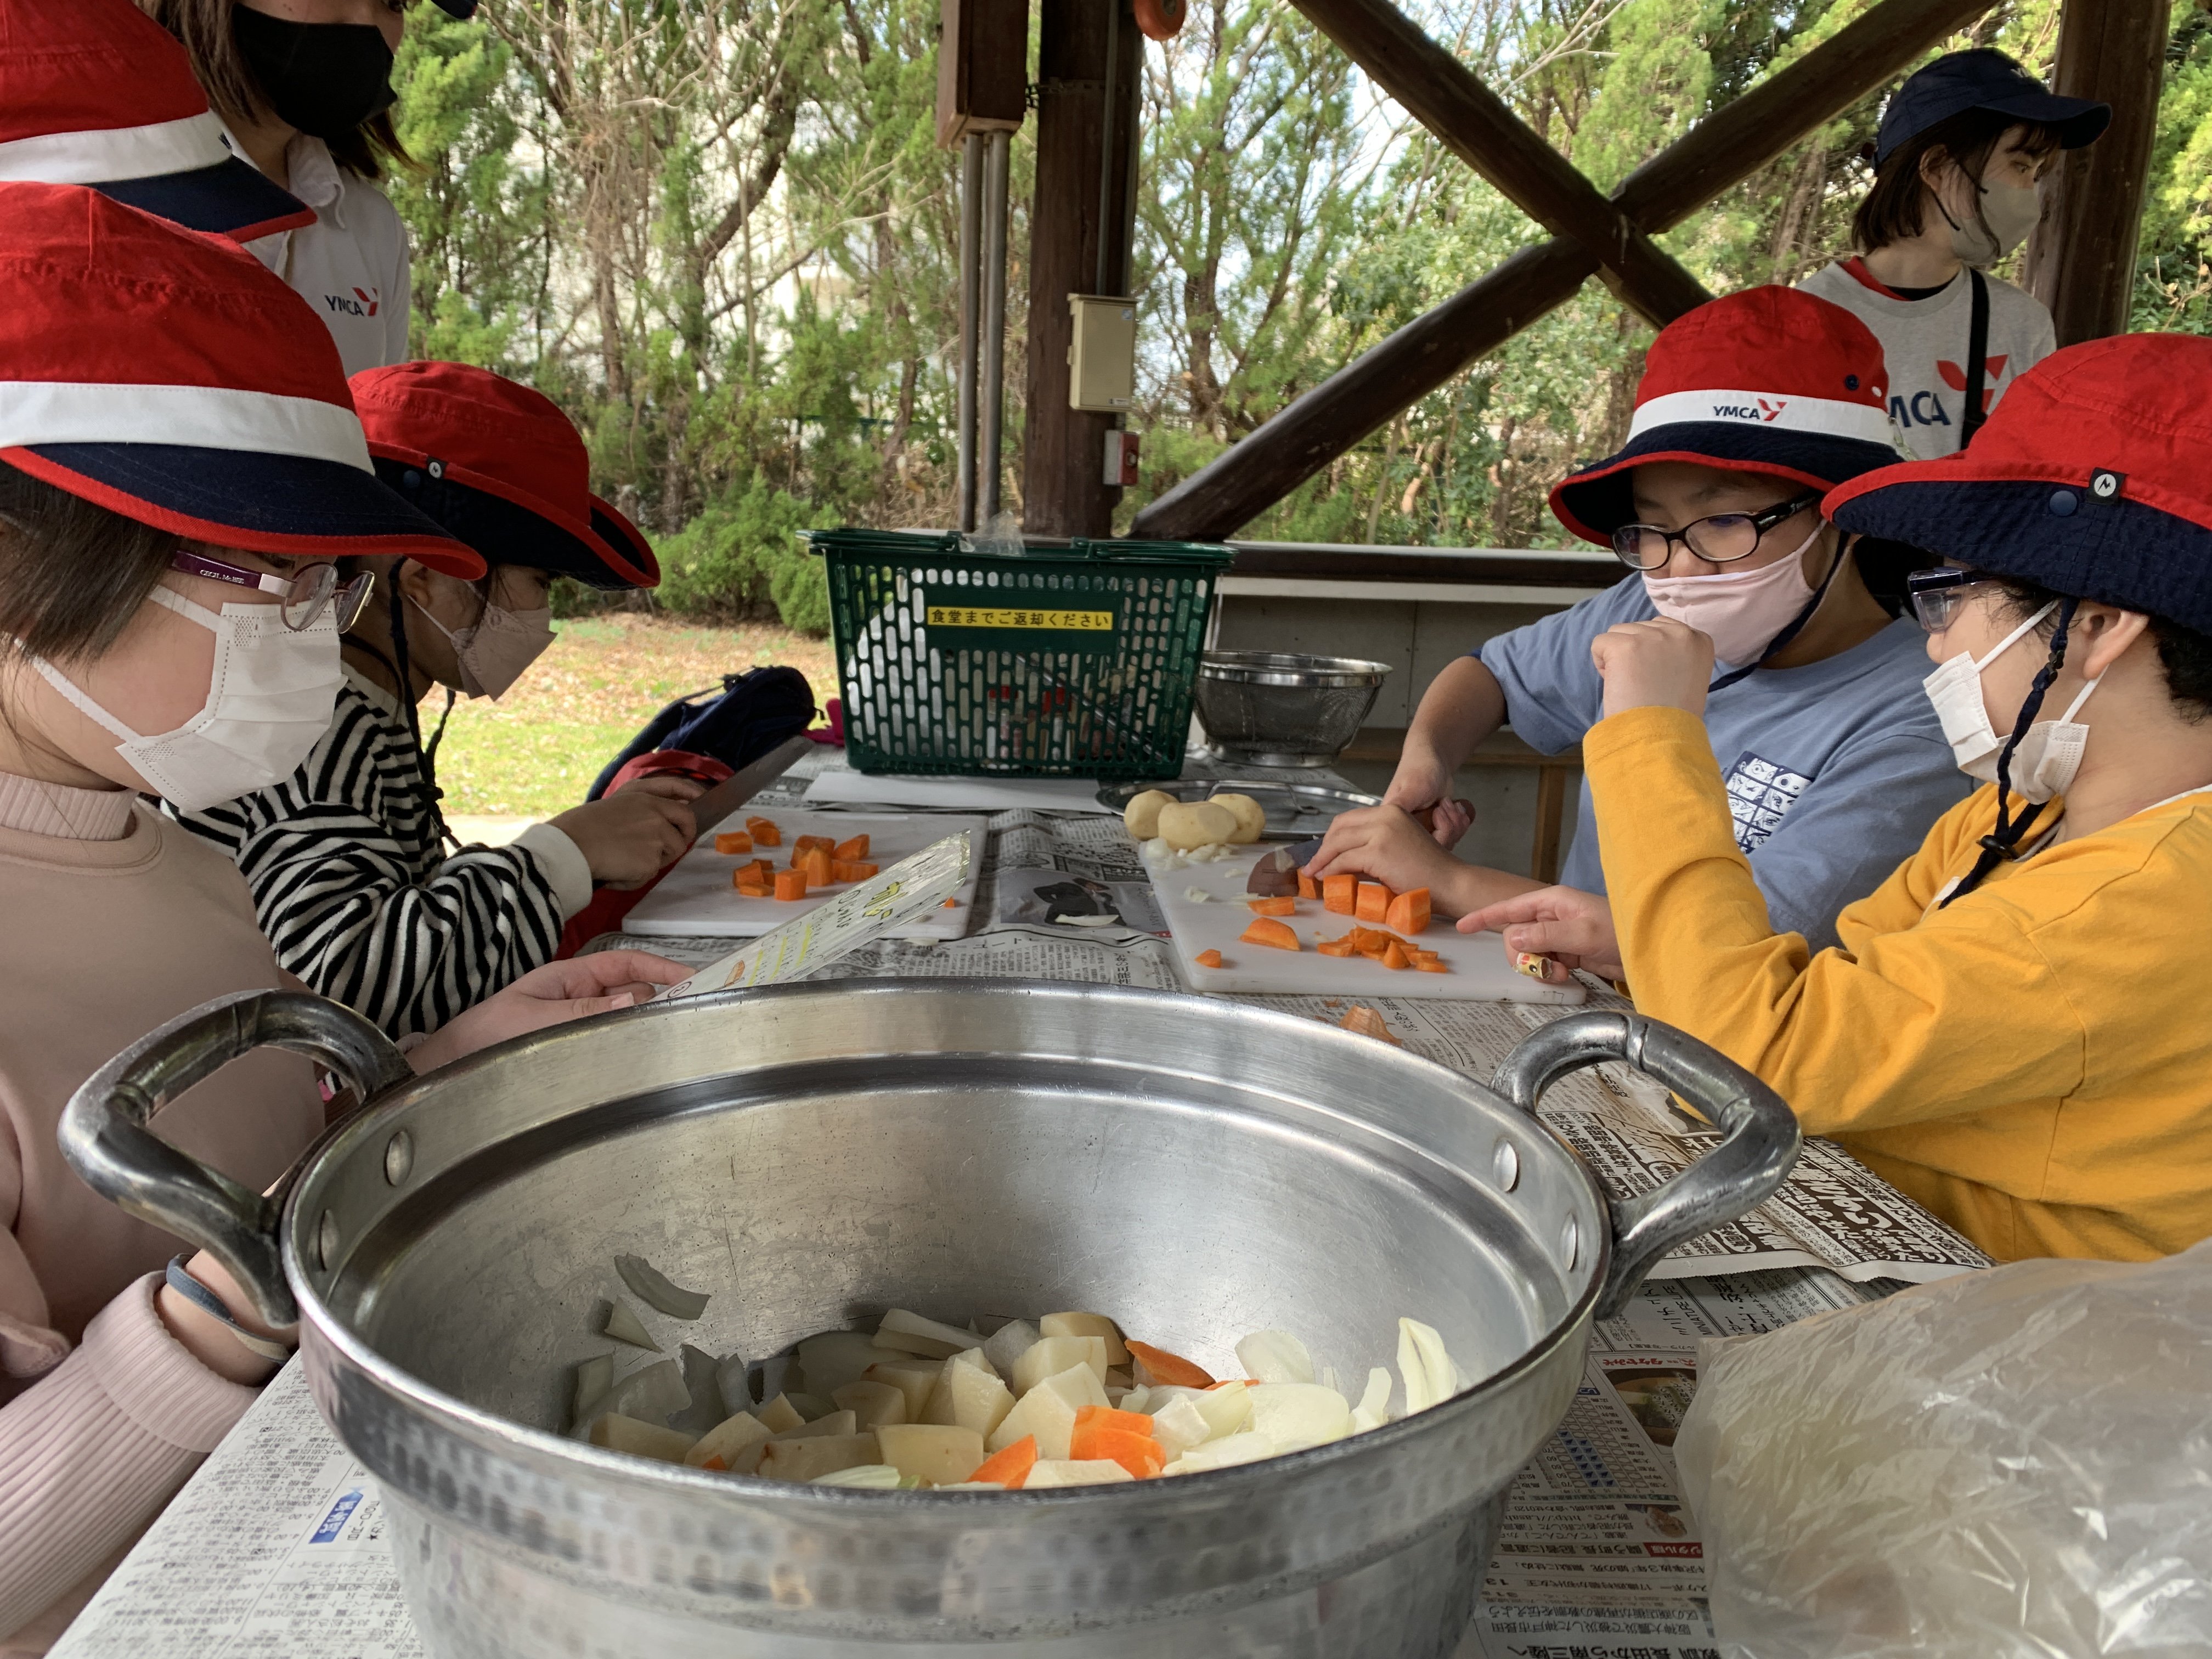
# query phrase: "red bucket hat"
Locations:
[[501, 467], [2092, 478], [95, 92], [169, 377], [1767, 381]]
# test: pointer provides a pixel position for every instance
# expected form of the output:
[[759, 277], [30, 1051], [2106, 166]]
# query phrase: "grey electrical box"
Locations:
[[1102, 357]]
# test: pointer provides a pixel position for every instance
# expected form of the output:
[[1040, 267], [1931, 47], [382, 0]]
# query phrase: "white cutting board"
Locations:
[[1480, 970], [696, 899]]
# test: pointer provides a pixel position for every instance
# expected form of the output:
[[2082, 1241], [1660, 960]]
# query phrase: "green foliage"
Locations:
[[723, 237]]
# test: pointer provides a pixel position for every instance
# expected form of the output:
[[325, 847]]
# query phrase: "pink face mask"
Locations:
[[1740, 611]]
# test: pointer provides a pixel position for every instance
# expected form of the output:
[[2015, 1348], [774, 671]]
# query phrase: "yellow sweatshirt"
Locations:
[[2034, 1064]]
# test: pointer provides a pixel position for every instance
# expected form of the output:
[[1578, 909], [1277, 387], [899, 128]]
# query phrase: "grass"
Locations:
[[536, 750]]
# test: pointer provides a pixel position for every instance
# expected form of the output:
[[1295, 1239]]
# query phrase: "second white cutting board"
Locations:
[[1480, 970]]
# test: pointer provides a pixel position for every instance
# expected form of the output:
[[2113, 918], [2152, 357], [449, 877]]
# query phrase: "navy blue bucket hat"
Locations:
[[1984, 79], [2091, 479]]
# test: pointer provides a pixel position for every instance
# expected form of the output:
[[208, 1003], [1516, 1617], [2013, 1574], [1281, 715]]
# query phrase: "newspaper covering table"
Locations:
[[276, 1546]]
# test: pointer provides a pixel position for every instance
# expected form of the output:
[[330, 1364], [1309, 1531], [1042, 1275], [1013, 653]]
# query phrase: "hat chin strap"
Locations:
[[2002, 844]]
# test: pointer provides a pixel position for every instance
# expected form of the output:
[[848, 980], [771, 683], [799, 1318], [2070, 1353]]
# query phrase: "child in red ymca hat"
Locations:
[[180, 464], [346, 857], [2014, 1029], [1750, 408]]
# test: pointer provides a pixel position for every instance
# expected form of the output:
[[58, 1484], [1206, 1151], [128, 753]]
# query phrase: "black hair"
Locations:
[[72, 573], [1891, 211]]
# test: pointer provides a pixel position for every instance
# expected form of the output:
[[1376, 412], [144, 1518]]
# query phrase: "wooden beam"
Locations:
[[2081, 263], [1475, 124], [1722, 150], [1088, 69]]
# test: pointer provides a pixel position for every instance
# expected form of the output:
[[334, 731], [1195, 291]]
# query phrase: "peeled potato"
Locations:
[[1251, 817], [1186, 824], [1142, 816]]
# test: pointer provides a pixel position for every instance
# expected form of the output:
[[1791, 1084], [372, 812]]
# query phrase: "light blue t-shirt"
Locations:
[[1835, 771]]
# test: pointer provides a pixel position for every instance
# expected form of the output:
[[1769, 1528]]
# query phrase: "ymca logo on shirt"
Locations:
[[1760, 792], [361, 302], [1926, 409]]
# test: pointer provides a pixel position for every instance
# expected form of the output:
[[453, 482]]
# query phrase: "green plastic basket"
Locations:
[[1075, 663]]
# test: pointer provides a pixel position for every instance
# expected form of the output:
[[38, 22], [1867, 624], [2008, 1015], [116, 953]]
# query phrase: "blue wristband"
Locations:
[[211, 1304]]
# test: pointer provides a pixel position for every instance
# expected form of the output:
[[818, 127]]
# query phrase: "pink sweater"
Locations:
[[115, 921]]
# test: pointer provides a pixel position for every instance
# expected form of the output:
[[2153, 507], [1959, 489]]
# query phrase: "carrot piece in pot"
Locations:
[[1011, 1467], [1171, 1368]]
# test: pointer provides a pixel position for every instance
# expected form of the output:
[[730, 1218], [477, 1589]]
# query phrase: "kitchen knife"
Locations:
[[741, 786], [1275, 875]]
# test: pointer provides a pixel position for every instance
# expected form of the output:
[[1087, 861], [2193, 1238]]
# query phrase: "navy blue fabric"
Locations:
[[503, 532], [2058, 536], [750, 715], [268, 495], [1605, 503], [1984, 78], [227, 197]]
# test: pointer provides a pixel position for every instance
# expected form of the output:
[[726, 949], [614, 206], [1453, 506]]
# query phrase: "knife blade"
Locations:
[[741, 786], [1275, 874]]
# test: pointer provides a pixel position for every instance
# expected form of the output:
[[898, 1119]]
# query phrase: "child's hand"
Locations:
[[1660, 663], [1387, 843], [1572, 927], [551, 995], [629, 837], [1421, 787]]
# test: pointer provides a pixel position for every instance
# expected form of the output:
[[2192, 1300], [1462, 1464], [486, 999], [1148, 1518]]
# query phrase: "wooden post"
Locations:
[[1476, 125], [1088, 63], [1721, 151], [2082, 262]]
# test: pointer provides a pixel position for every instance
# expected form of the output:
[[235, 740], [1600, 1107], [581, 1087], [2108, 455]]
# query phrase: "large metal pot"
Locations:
[[815, 1154]]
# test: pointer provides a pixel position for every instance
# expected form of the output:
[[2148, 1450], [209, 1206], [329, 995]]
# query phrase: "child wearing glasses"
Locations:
[[2013, 1028], [179, 462], [1750, 408]]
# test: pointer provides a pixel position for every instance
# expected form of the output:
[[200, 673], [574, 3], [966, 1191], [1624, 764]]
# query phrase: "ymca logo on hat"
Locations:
[[1769, 380]]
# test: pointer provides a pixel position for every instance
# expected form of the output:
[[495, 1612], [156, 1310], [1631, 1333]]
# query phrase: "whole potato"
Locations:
[[1186, 824], [1251, 817], [1142, 816]]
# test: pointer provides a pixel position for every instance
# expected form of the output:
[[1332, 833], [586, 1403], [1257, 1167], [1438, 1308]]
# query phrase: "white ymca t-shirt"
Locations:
[[350, 265], [1926, 343]]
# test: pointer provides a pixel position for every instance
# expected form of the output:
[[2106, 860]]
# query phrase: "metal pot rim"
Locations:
[[1292, 669]]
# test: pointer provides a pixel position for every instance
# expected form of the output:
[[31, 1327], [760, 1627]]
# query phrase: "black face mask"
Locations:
[[324, 79]]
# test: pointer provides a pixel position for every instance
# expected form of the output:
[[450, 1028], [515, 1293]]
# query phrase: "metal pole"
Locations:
[[971, 237], [996, 148]]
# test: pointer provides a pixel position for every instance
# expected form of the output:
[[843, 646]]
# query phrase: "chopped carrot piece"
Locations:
[[1171, 1368], [1409, 912], [1340, 894], [854, 850], [755, 889], [1334, 947], [791, 884], [1270, 933], [1207, 958], [1110, 1416], [807, 843], [1430, 965], [1011, 1467], [1282, 905], [764, 832], [845, 870], [1373, 903], [1369, 944], [948, 904], [717, 1464], [1142, 1455], [1364, 1020], [733, 841], [815, 860], [1395, 956], [1308, 887]]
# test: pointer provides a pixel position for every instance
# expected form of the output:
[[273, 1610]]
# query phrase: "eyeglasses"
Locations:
[[1938, 594], [1722, 539], [303, 596]]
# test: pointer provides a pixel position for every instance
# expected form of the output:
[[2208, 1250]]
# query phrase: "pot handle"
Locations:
[[104, 1138], [1760, 1141]]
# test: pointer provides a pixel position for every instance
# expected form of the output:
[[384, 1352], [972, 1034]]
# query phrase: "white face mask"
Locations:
[[2049, 755], [1740, 611], [268, 702], [2008, 213], [494, 651]]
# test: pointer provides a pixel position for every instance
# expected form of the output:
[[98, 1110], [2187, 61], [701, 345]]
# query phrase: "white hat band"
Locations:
[[1828, 417], [102, 156], [194, 416]]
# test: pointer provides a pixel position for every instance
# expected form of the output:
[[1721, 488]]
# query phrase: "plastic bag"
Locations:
[[2007, 1463]]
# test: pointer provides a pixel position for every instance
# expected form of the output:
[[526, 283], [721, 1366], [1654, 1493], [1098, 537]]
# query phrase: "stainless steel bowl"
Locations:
[[815, 1154], [1278, 708]]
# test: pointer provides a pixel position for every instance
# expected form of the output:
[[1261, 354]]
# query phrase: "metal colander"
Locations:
[[1279, 708]]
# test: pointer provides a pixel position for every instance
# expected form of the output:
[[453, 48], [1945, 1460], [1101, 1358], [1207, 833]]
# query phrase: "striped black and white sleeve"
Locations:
[[349, 886]]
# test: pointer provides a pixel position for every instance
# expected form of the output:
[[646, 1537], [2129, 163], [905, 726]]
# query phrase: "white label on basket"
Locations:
[[850, 920], [958, 616]]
